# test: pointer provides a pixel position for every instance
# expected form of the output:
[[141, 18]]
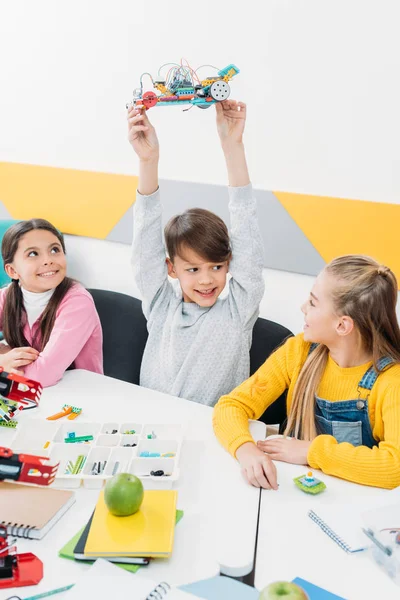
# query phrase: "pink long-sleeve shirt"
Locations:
[[76, 338]]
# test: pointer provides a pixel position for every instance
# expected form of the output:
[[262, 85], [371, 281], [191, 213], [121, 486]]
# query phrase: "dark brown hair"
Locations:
[[202, 231], [14, 315]]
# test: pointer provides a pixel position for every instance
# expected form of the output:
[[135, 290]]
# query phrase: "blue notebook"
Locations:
[[219, 587], [315, 592]]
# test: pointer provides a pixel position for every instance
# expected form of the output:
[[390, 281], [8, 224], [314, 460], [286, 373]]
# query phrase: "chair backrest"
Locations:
[[267, 336], [4, 225], [124, 333]]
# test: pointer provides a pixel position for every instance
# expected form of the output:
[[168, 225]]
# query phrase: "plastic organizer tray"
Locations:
[[117, 452]]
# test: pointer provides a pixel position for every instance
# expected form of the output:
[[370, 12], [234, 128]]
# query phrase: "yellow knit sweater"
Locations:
[[379, 466]]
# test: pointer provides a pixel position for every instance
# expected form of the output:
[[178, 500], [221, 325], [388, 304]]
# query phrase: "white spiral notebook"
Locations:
[[343, 524], [104, 580]]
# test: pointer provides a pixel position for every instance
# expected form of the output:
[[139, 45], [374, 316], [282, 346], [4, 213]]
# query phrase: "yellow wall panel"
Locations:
[[80, 202], [336, 226]]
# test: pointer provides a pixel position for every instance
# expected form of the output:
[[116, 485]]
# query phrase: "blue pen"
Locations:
[[45, 594]]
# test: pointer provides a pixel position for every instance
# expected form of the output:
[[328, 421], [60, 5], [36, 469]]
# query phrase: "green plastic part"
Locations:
[[315, 489], [82, 438], [11, 424]]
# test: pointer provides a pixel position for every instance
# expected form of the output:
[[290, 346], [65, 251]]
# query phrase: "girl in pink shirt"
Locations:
[[49, 321]]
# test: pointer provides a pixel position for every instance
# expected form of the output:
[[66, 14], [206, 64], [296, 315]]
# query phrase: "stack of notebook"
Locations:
[[129, 540], [31, 511]]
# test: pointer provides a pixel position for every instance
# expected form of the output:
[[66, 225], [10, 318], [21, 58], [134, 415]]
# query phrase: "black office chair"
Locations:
[[267, 336], [124, 333]]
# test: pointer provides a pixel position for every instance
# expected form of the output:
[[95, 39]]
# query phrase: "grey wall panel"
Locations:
[[285, 246], [123, 230]]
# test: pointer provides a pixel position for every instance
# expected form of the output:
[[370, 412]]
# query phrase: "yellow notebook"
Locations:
[[149, 532]]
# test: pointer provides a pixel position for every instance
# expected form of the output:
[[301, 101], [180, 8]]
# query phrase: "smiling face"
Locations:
[[201, 281], [39, 262], [321, 323]]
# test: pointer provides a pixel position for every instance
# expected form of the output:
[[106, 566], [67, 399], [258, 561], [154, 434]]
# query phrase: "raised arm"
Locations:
[[247, 284], [148, 253]]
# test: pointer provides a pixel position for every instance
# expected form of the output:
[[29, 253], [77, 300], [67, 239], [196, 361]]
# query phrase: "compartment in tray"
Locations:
[[34, 436], [67, 455], [111, 428], [108, 439], [80, 429], [130, 427], [142, 467], [163, 432], [127, 440], [95, 466], [119, 461], [158, 446]]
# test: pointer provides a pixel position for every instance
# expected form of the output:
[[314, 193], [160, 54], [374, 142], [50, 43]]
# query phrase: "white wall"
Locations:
[[320, 78]]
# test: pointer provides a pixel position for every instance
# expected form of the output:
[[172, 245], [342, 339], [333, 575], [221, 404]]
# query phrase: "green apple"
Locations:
[[283, 590], [123, 494]]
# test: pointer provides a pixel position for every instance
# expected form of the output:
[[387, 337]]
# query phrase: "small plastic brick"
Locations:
[[69, 467], [82, 438], [157, 473], [115, 468], [71, 434], [147, 454], [98, 467], [67, 409], [129, 431], [74, 412], [309, 484], [168, 454], [129, 445], [79, 464], [11, 424], [151, 436]]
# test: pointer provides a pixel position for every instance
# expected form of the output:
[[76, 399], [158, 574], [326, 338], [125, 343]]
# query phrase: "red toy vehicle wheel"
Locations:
[[149, 99], [6, 452]]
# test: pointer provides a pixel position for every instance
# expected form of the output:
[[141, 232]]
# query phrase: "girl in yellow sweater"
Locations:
[[343, 380]]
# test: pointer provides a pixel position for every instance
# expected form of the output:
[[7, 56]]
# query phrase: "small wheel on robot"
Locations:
[[205, 105], [149, 99], [220, 90]]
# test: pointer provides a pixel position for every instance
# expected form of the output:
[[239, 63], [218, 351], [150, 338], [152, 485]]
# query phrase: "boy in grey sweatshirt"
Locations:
[[198, 345]]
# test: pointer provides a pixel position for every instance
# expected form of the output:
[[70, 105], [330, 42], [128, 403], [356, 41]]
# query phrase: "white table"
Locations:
[[291, 545], [218, 530]]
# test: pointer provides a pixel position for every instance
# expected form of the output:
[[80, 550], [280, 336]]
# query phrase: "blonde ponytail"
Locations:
[[301, 420]]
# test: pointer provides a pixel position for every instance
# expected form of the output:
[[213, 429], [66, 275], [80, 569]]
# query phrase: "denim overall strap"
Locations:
[[348, 420], [368, 379], [372, 375]]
